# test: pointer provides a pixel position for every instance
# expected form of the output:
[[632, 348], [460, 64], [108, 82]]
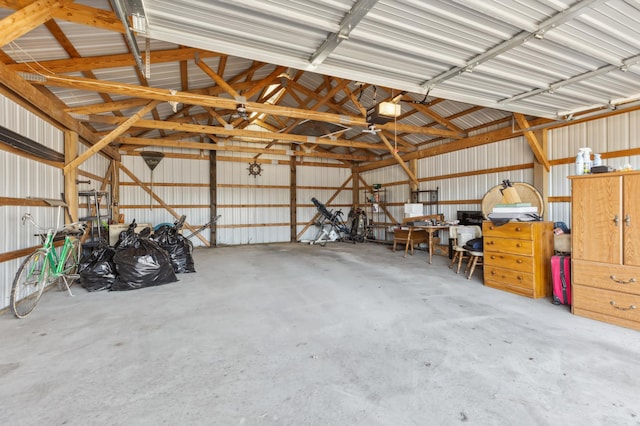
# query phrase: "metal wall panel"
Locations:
[[21, 178], [607, 135], [328, 177], [240, 203], [170, 170]]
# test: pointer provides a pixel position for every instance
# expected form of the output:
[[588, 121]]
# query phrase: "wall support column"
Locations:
[[213, 195], [70, 185], [293, 198], [355, 187], [413, 186], [540, 174], [115, 190]]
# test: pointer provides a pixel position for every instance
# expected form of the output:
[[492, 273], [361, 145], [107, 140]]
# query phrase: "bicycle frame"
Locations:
[[56, 261]]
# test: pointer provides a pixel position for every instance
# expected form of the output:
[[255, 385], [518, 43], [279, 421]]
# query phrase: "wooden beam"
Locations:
[[80, 83], [421, 130], [232, 148], [293, 201], [424, 109], [70, 184], [535, 145], [77, 13], [49, 105], [115, 190], [213, 197], [28, 18], [215, 77], [110, 137], [477, 140], [399, 159]]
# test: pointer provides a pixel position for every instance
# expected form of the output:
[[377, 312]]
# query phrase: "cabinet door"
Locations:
[[596, 216], [631, 220]]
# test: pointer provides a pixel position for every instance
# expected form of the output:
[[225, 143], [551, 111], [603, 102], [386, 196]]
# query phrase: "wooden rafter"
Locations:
[[534, 144], [110, 137], [27, 18], [231, 148], [412, 177]]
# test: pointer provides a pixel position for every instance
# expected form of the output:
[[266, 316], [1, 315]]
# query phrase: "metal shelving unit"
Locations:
[[98, 210], [428, 197]]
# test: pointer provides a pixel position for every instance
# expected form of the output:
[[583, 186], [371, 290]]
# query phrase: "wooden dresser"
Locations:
[[517, 257], [605, 240]]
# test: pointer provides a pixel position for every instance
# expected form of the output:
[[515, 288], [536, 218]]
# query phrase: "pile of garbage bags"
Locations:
[[138, 260]]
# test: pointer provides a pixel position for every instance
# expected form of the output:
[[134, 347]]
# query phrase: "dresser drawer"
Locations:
[[510, 287], [518, 230], [606, 276], [611, 303], [506, 245], [517, 278], [508, 261]]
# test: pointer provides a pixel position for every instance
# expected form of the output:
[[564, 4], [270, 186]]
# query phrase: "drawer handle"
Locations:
[[518, 229], [490, 242], [613, 277], [493, 272], [620, 308], [518, 245], [491, 227], [493, 256], [519, 277], [519, 261]]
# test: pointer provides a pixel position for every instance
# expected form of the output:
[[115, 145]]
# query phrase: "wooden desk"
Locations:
[[431, 229]]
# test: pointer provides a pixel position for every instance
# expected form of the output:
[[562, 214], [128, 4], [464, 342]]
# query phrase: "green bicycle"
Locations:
[[46, 266]]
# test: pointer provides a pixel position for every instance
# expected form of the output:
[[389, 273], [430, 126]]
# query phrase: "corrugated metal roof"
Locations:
[[408, 44], [546, 58]]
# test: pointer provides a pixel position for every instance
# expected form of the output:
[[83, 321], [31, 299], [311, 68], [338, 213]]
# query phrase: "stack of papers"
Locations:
[[516, 211]]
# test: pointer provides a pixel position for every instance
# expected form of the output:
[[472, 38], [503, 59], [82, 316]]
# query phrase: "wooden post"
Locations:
[[293, 198], [355, 187], [213, 195], [70, 185], [115, 190], [413, 186], [540, 174]]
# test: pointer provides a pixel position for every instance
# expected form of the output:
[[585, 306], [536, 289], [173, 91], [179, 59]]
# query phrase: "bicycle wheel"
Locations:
[[28, 284]]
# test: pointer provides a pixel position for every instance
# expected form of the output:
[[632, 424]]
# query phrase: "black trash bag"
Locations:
[[141, 262], [180, 249], [97, 269]]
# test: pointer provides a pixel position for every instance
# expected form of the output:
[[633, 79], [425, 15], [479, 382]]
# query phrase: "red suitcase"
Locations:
[[561, 274]]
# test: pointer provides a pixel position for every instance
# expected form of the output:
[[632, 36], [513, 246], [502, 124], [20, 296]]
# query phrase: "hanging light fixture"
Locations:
[[152, 159]]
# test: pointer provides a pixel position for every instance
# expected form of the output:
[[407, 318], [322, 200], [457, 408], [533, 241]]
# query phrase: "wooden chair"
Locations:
[[476, 258], [460, 235], [418, 236]]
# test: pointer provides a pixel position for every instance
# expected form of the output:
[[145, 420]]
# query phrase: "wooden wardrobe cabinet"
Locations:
[[605, 240], [517, 257]]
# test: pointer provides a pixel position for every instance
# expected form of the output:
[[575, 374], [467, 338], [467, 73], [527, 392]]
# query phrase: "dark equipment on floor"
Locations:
[[331, 226]]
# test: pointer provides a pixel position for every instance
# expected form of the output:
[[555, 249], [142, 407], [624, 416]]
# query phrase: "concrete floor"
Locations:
[[292, 334]]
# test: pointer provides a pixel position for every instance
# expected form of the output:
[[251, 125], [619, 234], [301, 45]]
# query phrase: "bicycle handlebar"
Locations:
[[75, 227]]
